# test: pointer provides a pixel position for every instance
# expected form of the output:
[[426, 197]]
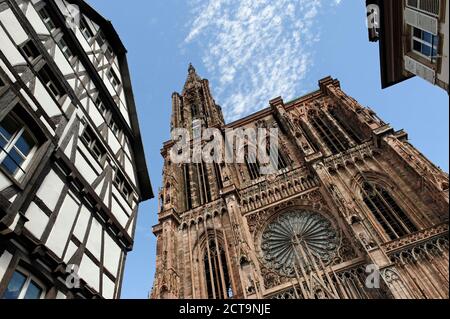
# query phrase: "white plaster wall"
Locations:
[[120, 199], [60, 232], [82, 223], [71, 250], [94, 244], [119, 213], [9, 49], [62, 63], [50, 189], [36, 21], [37, 220], [5, 259], [108, 288], [4, 181], [45, 100], [12, 25], [112, 255], [90, 272]]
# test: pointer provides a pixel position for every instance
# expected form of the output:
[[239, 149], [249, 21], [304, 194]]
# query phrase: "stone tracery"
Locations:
[[294, 238]]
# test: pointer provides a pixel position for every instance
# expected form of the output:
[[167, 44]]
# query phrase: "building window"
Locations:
[[101, 106], [101, 39], [252, 163], [109, 52], [85, 30], [93, 144], [2, 83], [46, 18], [49, 81], [387, 212], [218, 174], [217, 275], [30, 50], [24, 286], [123, 186], [425, 44], [280, 161], [429, 6], [65, 49], [187, 187], [112, 76], [114, 128], [17, 145], [330, 135], [104, 112], [203, 182], [346, 127]]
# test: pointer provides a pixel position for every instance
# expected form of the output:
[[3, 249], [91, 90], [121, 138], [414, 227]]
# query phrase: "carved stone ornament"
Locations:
[[298, 237]]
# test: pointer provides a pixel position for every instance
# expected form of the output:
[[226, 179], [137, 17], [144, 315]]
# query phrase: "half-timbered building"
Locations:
[[72, 164]]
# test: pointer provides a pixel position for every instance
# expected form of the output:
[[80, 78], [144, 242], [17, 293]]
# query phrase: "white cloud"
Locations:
[[255, 50]]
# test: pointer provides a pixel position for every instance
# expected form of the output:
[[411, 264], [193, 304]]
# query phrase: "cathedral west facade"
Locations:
[[352, 200], [72, 164]]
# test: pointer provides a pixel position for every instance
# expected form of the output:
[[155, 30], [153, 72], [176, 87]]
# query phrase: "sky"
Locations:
[[254, 51]]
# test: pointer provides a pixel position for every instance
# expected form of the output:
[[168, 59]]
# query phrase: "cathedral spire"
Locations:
[[192, 77], [195, 103], [191, 68]]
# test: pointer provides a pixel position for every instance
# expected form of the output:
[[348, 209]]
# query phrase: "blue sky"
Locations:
[[252, 52]]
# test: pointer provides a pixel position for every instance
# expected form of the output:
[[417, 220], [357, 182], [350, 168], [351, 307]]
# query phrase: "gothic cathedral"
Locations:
[[352, 200]]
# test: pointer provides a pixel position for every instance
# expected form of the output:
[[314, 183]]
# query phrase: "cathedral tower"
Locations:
[[354, 210]]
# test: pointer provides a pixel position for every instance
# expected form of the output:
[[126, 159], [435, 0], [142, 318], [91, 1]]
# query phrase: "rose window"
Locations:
[[298, 240]]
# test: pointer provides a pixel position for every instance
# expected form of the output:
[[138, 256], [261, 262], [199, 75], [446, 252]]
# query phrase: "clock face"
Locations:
[[297, 239]]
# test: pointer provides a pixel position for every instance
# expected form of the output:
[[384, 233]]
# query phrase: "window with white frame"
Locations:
[[109, 52], [49, 81], [112, 76], [114, 128], [122, 186], [104, 111], [30, 50], [24, 286], [17, 146], [86, 30], [101, 39], [94, 145], [429, 6], [65, 49], [47, 19], [101, 106], [425, 43]]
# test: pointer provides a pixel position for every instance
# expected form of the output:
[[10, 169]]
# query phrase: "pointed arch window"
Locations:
[[217, 275], [329, 134], [203, 182], [391, 217], [347, 127], [187, 187], [280, 160], [252, 163]]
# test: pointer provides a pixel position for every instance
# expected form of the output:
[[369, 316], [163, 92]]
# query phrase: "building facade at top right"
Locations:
[[413, 39]]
